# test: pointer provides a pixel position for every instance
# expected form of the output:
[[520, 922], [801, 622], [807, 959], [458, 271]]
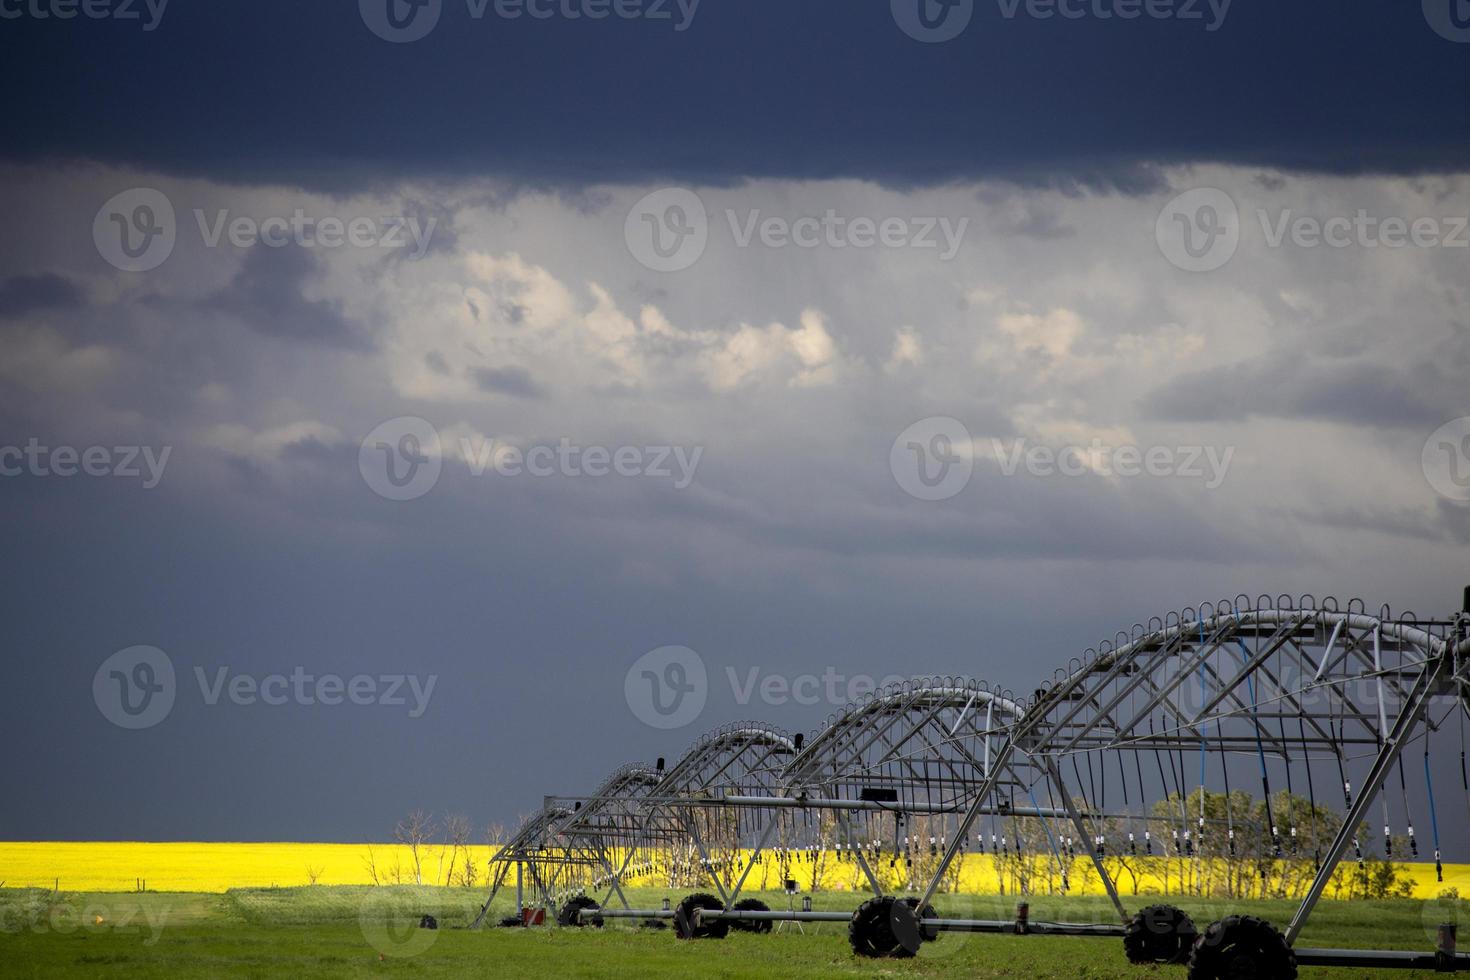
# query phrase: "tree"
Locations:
[[414, 832]]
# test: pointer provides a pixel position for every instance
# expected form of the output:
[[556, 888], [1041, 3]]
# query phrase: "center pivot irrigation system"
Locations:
[[1114, 759]]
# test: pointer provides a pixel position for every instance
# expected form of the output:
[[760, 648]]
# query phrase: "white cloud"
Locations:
[[786, 365], [908, 350]]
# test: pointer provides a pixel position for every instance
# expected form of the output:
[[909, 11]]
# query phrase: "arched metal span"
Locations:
[[639, 811], [569, 839], [1260, 693], [1269, 693], [920, 746]]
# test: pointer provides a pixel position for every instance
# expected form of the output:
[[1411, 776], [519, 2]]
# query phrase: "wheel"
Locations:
[[1242, 947], [570, 914], [1159, 934], [684, 926], [761, 926], [928, 935], [877, 927]]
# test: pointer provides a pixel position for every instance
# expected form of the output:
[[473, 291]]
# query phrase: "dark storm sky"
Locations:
[[264, 551]]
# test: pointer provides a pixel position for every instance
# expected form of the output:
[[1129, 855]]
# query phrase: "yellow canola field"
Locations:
[[218, 867], [189, 867]]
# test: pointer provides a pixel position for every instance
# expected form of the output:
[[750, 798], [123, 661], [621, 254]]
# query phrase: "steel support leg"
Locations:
[[1087, 836], [616, 884], [765, 839], [714, 874], [971, 815], [846, 822], [1393, 745], [495, 890]]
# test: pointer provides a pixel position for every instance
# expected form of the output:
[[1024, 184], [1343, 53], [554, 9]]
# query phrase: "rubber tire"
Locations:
[[1160, 934], [1240, 947], [929, 935], [684, 926], [752, 905], [870, 933], [569, 919]]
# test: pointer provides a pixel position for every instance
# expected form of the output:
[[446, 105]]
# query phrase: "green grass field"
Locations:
[[362, 932]]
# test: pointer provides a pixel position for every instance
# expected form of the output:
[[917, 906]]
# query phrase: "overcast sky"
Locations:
[[354, 311]]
